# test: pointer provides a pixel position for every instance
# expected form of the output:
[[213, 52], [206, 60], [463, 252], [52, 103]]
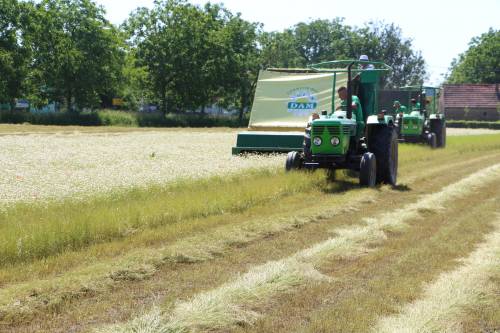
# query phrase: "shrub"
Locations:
[[473, 124], [120, 118]]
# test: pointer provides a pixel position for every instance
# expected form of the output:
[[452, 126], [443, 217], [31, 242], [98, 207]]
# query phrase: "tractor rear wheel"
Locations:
[[439, 127], [383, 143], [442, 138], [368, 170], [432, 140], [293, 161]]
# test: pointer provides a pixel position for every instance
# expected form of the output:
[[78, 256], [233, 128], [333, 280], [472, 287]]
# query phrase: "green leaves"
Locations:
[[324, 40], [58, 50], [480, 63], [78, 51], [178, 55], [195, 56], [15, 54]]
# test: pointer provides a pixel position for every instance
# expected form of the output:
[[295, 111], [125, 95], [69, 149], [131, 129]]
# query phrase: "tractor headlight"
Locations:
[[335, 141], [317, 141]]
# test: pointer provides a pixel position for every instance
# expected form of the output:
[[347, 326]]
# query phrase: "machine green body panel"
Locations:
[[268, 142], [370, 77], [329, 127], [413, 124]]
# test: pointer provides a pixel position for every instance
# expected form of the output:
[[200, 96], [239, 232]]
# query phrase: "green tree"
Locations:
[[15, 52], [239, 63], [324, 40], [385, 42], [135, 88], [279, 49], [79, 54], [480, 63], [166, 39], [195, 56]]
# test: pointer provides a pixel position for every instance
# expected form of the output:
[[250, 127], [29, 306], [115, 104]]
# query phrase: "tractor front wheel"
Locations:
[[307, 146], [293, 161], [368, 170], [432, 140]]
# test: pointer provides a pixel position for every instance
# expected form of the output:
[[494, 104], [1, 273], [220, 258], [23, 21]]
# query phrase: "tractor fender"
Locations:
[[436, 122], [388, 120], [435, 116]]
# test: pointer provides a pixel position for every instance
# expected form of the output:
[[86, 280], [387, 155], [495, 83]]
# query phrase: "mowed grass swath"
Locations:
[[441, 307], [228, 305]]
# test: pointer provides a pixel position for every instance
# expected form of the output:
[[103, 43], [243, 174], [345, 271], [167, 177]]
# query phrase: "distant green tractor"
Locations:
[[421, 121], [338, 140]]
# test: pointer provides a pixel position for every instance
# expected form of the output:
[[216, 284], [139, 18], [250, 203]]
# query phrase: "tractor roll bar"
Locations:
[[349, 91], [340, 66]]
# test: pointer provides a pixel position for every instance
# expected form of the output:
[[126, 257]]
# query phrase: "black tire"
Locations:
[[383, 142], [368, 170], [293, 161], [442, 139], [432, 140], [438, 126]]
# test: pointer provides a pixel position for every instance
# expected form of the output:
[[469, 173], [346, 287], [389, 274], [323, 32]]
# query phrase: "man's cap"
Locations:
[[396, 102], [364, 57]]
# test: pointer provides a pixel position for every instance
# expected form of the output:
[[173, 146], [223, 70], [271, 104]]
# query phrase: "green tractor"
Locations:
[[420, 121], [340, 140]]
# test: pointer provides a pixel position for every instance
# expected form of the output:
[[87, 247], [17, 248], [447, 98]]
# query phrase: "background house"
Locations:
[[471, 102]]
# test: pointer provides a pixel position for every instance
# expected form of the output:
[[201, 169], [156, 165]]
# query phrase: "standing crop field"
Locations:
[[165, 231], [38, 166]]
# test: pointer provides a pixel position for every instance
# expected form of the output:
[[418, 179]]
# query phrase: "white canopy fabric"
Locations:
[[284, 101]]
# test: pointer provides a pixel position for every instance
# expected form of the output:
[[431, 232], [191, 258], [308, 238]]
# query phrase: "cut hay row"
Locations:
[[38, 167], [443, 168], [232, 303], [143, 263], [439, 310]]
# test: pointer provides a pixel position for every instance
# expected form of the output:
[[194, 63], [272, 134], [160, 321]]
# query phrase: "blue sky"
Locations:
[[441, 29]]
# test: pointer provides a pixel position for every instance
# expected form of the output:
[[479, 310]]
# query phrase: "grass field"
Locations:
[[44, 166], [118, 239]]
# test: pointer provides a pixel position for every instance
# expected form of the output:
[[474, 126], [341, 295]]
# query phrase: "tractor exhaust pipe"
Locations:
[[349, 91], [423, 99]]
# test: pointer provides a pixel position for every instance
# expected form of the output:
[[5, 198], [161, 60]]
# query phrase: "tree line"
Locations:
[[177, 55]]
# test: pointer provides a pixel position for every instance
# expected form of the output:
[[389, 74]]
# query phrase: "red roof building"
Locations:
[[471, 101]]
